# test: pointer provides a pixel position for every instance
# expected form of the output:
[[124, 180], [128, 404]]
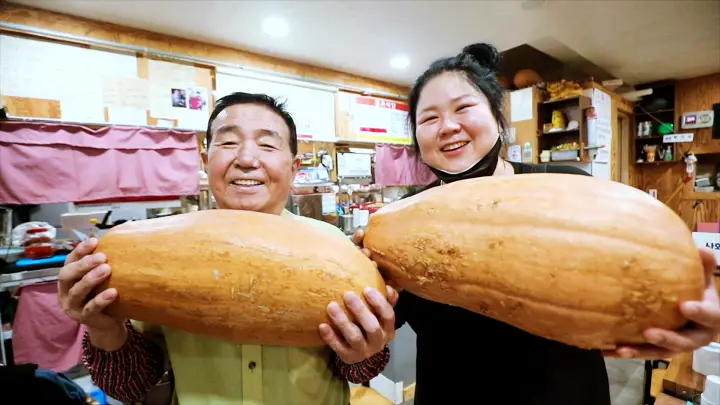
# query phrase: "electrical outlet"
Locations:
[[653, 193]]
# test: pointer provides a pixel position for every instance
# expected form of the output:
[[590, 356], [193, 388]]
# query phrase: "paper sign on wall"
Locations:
[[708, 240], [354, 165], [601, 102], [675, 138], [515, 154], [521, 105], [380, 120]]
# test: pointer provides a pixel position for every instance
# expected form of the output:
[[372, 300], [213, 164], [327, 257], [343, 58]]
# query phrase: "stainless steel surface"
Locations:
[[148, 52], [5, 226], [346, 223], [11, 280]]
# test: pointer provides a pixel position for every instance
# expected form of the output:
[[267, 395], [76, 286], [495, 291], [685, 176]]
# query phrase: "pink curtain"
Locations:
[[49, 163], [42, 333], [397, 166]]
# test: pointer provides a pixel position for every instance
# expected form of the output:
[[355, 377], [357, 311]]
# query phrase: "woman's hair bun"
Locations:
[[484, 54]]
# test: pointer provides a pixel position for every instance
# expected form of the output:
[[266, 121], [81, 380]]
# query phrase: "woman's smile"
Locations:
[[455, 148]]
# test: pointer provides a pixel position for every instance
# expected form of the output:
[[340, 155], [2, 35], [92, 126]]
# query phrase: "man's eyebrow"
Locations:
[[269, 132], [227, 128]]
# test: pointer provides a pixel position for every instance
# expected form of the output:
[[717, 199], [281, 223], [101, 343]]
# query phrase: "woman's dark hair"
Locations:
[[260, 99], [479, 64]]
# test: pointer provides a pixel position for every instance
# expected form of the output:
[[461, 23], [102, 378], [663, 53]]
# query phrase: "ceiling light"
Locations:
[[399, 62], [275, 26]]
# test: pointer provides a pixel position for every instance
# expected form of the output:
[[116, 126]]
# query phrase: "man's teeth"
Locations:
[[454, 146], [246, 182]]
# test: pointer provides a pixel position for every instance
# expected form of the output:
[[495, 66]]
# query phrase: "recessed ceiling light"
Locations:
[[399, 62], [275, 26]]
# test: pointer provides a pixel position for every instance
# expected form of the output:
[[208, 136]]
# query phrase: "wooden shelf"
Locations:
[[651, 137], [659, 162], [560, 132], [699, 195], [667, 110], [562, 100], [574, 110]]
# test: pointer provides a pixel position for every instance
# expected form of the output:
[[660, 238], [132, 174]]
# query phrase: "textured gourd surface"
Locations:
[[576, 259], [235, 275]]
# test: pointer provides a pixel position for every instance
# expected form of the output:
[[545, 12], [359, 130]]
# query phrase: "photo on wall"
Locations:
[[197, 98], [179, 98]]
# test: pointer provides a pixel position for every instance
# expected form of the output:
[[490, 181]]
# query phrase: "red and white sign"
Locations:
[[380, 120]]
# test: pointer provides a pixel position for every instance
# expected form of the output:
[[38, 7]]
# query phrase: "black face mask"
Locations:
[[485, 167]]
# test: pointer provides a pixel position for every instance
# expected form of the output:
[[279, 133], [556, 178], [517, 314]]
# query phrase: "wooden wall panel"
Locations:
[[698, 94], [31, 107], [695, 94], [18, 14]]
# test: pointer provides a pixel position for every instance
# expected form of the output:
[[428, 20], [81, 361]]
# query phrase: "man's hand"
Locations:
[[353, 342]]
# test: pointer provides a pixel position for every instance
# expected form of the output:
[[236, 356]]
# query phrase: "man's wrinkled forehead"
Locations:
[[251, 118]]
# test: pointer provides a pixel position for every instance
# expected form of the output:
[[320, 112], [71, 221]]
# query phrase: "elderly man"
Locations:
[[251, 163]]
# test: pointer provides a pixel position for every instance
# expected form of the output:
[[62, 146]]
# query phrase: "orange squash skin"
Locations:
[[239, 276], [576, 259]]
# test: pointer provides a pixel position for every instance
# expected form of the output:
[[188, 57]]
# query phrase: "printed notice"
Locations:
[[521, 105]]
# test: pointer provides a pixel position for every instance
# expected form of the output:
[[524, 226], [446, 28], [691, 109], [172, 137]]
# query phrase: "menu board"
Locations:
[[373, 119]]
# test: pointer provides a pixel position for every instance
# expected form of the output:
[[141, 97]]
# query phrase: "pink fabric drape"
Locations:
[[49, 163], [397, 166], [42, 333]]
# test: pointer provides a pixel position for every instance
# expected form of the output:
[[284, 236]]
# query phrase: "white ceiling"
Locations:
[[638, 41]]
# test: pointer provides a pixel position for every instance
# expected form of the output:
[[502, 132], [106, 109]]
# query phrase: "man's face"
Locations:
[[249, 163]]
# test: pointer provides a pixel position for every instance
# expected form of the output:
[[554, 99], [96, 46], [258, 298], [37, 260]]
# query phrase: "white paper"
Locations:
[[602, 104], [192, 119], [127, 116], [165, 123], [708, 240], [527, 153], [675, 138], [515, 153], [329, 205], [70, 74], [521, 105], [312, 109], [354, 165]]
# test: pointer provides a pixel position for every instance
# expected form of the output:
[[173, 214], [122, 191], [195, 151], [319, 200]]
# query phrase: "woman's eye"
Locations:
[[427, 119], [463, 107], [267, 145]]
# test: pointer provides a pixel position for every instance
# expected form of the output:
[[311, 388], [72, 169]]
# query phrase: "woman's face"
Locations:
[[455, 127]]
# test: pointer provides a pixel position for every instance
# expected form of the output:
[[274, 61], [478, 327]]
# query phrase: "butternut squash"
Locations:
[[576, 259], [240, 276]]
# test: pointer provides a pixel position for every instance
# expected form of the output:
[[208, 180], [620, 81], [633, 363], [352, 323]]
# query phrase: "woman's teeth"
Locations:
[[456, 145], [246, 182]]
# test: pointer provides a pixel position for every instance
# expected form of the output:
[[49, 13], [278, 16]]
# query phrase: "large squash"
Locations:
[[236, 275], [576, 259]]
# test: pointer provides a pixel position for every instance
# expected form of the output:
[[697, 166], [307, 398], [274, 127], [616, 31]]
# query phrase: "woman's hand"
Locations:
[[703, 328], [82, 272], [358, 238], [353, 342]]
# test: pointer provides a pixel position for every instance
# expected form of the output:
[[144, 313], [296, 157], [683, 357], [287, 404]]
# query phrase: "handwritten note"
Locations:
[[125, 92], [171, 73]]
